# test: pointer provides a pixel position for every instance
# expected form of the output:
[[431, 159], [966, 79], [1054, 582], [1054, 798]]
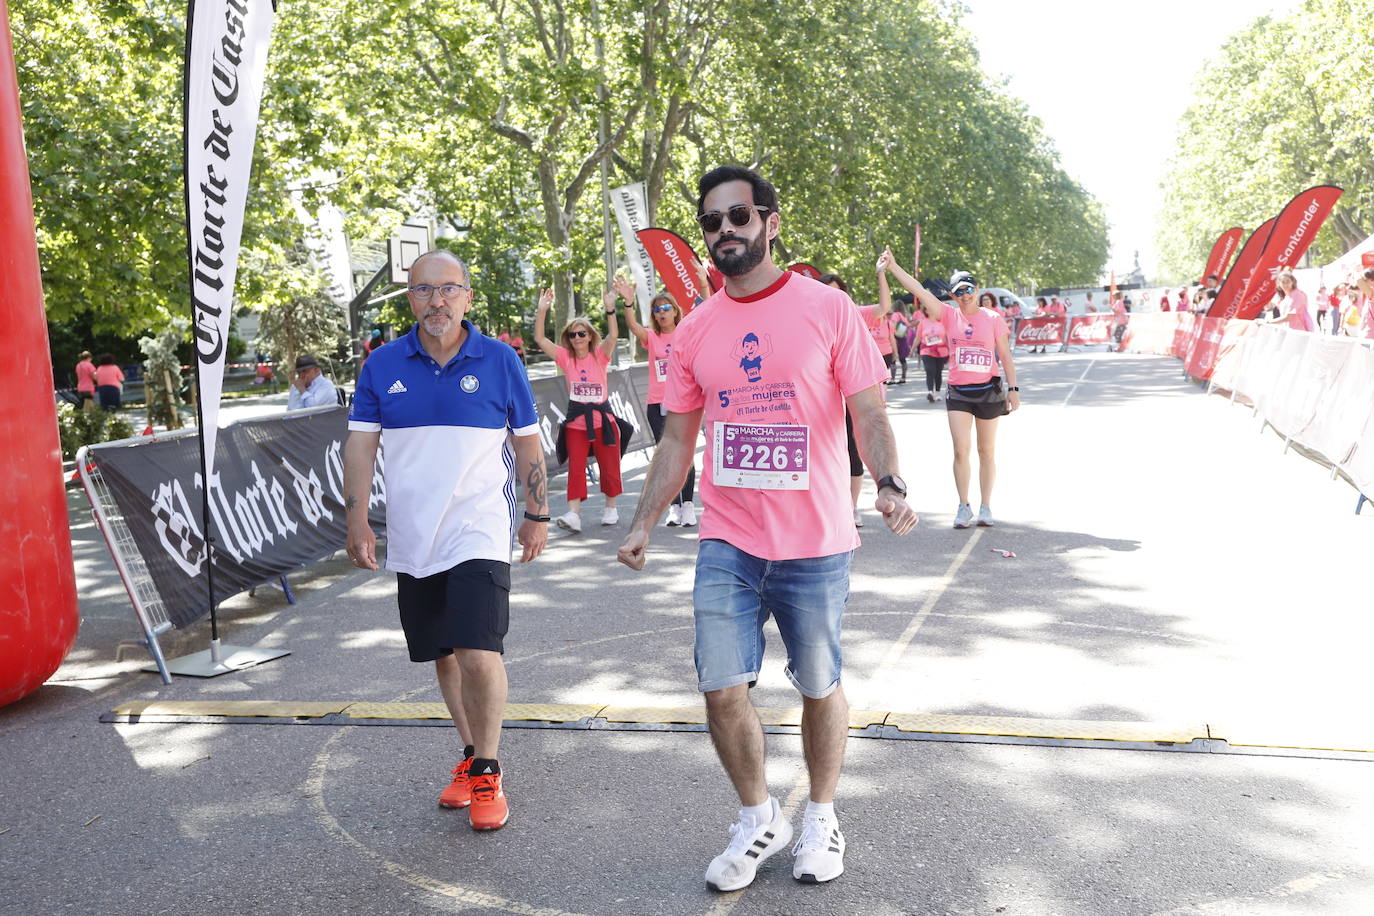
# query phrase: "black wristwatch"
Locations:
[[893, 482], [537, 518], [611, 312]]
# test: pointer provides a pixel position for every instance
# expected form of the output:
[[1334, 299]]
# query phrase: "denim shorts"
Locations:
[[735, 593]]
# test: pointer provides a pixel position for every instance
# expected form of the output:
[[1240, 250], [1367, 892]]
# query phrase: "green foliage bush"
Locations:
[[76, 428]]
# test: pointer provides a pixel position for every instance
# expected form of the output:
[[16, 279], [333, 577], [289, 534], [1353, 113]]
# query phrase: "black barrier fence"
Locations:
[[276, 497], [276, 504]]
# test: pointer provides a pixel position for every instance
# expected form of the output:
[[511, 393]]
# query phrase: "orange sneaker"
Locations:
[[459, 792], [489, 809]]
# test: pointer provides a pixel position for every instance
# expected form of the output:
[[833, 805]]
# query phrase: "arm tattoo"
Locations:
[[536, 483], [351, 502]]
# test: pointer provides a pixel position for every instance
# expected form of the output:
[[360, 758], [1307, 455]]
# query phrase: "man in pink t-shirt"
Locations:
[[770, 362]]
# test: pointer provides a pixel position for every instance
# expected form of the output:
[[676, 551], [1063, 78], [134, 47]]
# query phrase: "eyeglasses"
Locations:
[[663, 308], [962, 291], [739, 215], [578, 334], [425, 293]]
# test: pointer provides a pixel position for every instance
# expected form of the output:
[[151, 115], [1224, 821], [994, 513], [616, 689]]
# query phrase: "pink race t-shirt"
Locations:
[[772, 372], [1295, 304], [659, 346], [877, 328], [973, 344], [109, 374], [1054, 308], [1367, 324], [85, 376], [931, 334], [586, 377]]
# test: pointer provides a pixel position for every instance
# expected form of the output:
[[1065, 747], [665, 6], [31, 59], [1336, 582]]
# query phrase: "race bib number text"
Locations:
[[762, 457]]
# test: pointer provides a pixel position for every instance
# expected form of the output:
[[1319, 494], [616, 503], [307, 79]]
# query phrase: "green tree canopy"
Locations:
[[1283, 105]]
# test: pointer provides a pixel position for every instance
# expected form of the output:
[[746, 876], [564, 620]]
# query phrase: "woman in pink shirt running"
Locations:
[[665, 314], [979, 345], [583, 358]]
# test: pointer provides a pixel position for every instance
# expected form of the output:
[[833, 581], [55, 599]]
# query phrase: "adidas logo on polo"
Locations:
[[396, 388]]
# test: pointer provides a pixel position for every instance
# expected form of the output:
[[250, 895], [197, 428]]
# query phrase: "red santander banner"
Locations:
[[806, 270], [1040, 332], [1222, 250], [1086, 330], [1294, 229], [677, 265], [1227, 302]]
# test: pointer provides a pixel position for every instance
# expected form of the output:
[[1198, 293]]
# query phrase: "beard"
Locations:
[[739, 264], [437, 322]]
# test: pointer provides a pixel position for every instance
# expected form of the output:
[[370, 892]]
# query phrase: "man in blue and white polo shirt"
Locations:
[[444, 400]]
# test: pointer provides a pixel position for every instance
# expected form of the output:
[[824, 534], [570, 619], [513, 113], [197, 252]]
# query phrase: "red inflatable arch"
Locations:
[[38, 611]]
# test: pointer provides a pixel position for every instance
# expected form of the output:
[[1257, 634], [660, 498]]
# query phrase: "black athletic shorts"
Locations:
[[467, 607], [986, 401]]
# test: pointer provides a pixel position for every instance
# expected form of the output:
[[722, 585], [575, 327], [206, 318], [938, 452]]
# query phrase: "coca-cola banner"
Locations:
[[1222, 250], [677, 265], [1227, 302], [1294, 229], [1040, 332], [1086, 330], [276, 504]]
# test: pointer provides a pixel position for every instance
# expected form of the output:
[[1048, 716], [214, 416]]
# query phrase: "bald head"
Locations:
[[440, 254]]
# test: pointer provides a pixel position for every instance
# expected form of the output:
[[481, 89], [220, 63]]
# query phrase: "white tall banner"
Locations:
[[226, 57], [632, 215]]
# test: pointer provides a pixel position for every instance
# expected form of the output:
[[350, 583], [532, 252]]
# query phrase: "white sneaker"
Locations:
[[689, 515], [858, 519], [819, 854], [674, 516], [985, 516], [610, 516], [749, 846], [570, 521]]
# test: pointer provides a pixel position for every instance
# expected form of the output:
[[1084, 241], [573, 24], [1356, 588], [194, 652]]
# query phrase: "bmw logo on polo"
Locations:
[[468, 384]]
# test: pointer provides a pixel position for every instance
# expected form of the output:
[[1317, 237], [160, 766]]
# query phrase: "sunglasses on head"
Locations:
[[578, 333], [739, 216], [663, 308]]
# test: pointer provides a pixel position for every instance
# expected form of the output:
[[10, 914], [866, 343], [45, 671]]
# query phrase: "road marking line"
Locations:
[[1077, 383], [900, 645]]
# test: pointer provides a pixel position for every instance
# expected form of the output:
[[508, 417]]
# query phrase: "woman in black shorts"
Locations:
[[980, 355]]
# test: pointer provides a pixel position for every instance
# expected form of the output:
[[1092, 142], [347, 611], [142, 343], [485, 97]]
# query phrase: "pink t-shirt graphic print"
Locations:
[[771, 372]]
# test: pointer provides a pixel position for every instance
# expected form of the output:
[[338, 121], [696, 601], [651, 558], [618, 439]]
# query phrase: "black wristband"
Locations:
[[537, 518], [1014, 388]]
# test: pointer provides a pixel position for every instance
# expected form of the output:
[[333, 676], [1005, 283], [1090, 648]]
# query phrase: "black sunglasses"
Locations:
[[577, 333], [739, 215]]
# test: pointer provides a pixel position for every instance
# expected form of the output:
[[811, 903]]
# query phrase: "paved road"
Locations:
[[1172, 566]]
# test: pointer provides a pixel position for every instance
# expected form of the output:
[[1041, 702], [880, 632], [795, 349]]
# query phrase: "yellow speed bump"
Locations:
[[1015, 727], [284, 709], [656, 715], [514, 712], [397, 711]]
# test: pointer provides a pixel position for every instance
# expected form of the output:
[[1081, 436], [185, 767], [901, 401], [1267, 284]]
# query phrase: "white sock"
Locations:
[[757, 815], [820, 809]]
